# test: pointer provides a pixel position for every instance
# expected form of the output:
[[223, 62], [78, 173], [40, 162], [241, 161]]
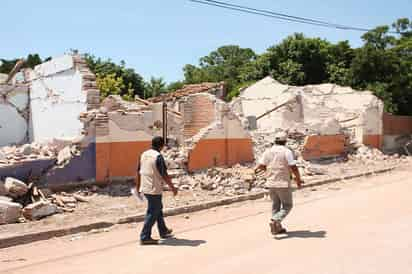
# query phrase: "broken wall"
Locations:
[[14, 114], [124, 130], [51, 100], [222, 142], [198, 112], [56, 100], [325, 109], [397, 132]]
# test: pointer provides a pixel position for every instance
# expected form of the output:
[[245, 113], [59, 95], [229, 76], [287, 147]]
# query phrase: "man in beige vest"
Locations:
[[279, 163], [151, 176]]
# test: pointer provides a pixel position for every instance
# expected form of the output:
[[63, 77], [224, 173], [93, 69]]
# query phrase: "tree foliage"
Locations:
[[155, 87], [111, 73], [231, 64], [383, 64], [31, 61]]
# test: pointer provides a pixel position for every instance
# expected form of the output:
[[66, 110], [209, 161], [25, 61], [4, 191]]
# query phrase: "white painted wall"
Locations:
[[56, 100], [13, 126], [321, 107]]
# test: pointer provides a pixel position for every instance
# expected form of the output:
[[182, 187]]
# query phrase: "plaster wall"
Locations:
[[56, 100], [224, 143], [321, 109], [14, 114]]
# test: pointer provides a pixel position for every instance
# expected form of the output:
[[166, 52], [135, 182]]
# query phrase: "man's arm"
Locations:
[[295, 171], [137, 178], [161, 167], [290, 157]]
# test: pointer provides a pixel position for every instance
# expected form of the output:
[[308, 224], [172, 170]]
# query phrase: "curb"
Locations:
[[48, 234]]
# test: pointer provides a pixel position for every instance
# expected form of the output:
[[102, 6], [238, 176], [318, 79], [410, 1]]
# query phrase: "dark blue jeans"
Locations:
[[154, 214]]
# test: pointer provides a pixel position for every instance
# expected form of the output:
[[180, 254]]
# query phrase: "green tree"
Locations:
[[155, 87], [133, 83], [298, 60], [109, 84], [384, 65], [31, 61], [232, 64], [175, 86]]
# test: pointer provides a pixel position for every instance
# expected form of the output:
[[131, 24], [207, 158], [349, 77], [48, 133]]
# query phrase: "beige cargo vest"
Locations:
[[151, 182], [278, 169]]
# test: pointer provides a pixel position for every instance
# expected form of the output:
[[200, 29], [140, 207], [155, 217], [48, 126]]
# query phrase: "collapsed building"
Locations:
[[54, 127], [56, 132], [205, 130], [333, 118]]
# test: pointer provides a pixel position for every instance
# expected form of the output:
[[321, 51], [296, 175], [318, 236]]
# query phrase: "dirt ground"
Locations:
[[116, 201], [236, 238]]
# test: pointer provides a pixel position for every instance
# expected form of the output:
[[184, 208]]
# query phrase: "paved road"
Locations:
[[355, 227]]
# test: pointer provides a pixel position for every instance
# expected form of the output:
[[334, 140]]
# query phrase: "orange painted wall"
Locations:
[[373, 141], [220, 152], [240, 151], [118, 159], [318, 146], [102, 161]]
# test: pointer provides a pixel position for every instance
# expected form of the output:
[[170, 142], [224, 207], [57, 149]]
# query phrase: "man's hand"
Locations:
[[174, 190], [259, 168], [299, 183], [169, 182]]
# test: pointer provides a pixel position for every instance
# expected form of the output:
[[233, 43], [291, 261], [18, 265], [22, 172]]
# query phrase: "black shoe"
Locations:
[[149, 242], [168, 234]]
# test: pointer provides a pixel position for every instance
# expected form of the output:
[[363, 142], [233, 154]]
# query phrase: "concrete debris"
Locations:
[[26, 149], [66, 154], [11, 155], [15, 188], [38, 210], [229, 181], [368, 153], [5, 199], [9, 212], [217, 89], [3, 190]]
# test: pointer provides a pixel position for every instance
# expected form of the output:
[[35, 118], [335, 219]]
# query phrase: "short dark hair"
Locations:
[[280, 143], [157, 142]]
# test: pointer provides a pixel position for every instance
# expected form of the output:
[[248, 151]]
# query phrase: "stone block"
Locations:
[[9, 212], [15, 188], [6, 199], [3, 190], [39, 210]]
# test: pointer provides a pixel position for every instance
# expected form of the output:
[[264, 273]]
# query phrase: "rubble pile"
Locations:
[[367, 155], [237, 180], [20, 202], [176, 158], [265, 140], [10, 155]]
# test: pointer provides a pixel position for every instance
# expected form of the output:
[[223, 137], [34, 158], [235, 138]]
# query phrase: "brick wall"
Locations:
[[198, 113]]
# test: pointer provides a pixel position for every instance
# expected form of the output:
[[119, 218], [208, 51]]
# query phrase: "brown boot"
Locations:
[[275, 227]]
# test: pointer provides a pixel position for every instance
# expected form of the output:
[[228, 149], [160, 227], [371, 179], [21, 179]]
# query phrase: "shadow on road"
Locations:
[[302, 234], [182, 242]]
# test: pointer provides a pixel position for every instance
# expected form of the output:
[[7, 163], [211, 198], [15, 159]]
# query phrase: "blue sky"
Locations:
[[159, 37]]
